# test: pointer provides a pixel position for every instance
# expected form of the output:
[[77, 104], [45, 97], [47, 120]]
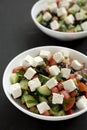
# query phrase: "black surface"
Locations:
[[18, 33]]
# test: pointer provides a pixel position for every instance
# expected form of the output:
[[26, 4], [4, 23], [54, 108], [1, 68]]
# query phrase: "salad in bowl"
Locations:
[[61, 19], [48, 83], [64, 15]]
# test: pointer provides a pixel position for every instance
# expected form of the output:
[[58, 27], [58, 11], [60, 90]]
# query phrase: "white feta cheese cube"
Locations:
[[58, 57], [47, 16], [54, 25], [16, 90], [69, 19], [57, 98], [45, 54], [38, 61], [53, 7], [81, 103], [79, 16], [84, 26], [61, 11], [51, 83], [29, 73], [65, 4], [69, 85], [33, 84], [65, 72], [28, 61], [42, 107], [54, 70], [76, 65]]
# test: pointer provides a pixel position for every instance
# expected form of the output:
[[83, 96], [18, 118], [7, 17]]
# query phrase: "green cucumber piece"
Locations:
[[58, 77], [39, 18], [42, 99], [75, 81], [14, 78], [24, 84], [31, 103], [60, 113], [77, 28], [34, 110], [25, 94], [43, 79], [44, 90], [29, 100], [55, 107], [81, 2]]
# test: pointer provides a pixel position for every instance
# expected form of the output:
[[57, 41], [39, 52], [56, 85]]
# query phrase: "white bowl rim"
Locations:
[[63, 33], [48, 118]]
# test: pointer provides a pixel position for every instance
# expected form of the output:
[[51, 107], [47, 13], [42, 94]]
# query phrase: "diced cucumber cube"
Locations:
[[44, 90], [14, 78], [42, 99], [78, 28], [39, 18], [24, 84], [81, 2]]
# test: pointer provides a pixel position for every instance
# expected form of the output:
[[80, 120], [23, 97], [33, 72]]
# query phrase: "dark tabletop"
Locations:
[[18, 33]]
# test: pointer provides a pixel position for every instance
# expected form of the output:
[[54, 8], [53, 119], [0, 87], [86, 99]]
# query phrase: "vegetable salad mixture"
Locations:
[[64, 15], [50, 84]]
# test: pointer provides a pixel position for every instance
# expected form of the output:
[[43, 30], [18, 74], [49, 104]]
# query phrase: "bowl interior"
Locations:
[[34, 52]]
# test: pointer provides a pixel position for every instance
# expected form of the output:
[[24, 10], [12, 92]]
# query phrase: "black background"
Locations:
[[18, 33]]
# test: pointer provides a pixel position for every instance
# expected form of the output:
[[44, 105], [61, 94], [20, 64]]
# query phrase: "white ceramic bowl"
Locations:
[[33, 52], [66, 36]]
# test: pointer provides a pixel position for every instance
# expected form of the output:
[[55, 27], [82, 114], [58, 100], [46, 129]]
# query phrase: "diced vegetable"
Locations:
[[60, 113], [43, 79], [14, 78], [28, 100], [59, 77], [24, 84], [82, 87], [16, 69], [41, 99], [40, 18], [66, 94], [81, 2], [34, 110], [68, 104], [54, 90], [46, 113], [43, 90]]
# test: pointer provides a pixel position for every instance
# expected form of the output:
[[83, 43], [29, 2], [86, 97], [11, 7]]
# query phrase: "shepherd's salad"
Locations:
[[64, 15], [50, 84]]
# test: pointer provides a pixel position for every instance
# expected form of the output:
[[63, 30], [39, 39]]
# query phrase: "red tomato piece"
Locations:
[[72, 76], [67, 106], [47, 69], [46, 113], [85, 93], [35, 76], [82, 87], [54, 90], [17, 69], [58, 2], [69, 112], [66, 94], [74, 93], [52, 61], [60, 86]]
